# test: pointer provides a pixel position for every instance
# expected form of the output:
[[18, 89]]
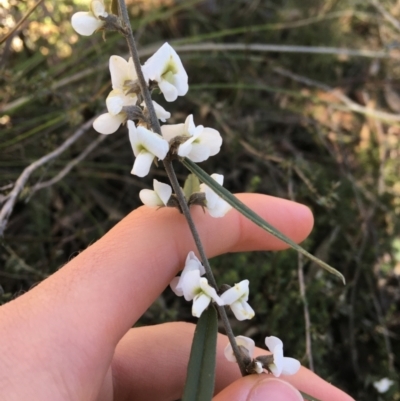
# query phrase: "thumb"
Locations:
[[259, 388]]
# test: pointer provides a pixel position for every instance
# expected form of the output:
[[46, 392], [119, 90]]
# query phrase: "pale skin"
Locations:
[[70, 337]]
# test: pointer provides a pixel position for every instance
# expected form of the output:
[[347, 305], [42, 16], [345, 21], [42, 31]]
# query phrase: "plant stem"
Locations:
[[155, 125], [209, 274]]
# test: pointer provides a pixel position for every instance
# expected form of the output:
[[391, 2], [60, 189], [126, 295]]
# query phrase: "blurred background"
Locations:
[[307, 98]]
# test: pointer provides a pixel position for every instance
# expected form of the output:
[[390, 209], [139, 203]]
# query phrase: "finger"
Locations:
[[159, 354], [96, 298], [127, 269], [259, 388]]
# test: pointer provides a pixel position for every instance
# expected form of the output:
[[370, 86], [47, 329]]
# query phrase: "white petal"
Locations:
[[290, 366], [155, 65], [193, 263], [180, 81], [189, 125], [185, 148], [107, 123], [150, 198], [174, 284], [170, 131], [237, 291], [169, 91], [219, 178], [98, 9], [243, 341], [242, 310], [383, 385], [220, 209], [277, 366], [161, 113], [115, 101], [190, 284], [272, 342], [200, 303], [210, 291], [119, 70], [153, 142], [142, 164], [164, 191], [85, 23], [198, 153], [212, 139]]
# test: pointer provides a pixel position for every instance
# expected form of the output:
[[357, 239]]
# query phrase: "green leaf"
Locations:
[[200, 378], [114, 7], [254, 217], [192, 185], [308, 396]]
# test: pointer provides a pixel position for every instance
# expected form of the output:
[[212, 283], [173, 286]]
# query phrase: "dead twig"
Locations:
[[388, 17], [350, 104], [69, 166], [219, 47], [23, 178], [20, 22]]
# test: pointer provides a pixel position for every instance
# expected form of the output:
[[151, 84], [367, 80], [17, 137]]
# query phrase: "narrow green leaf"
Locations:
[[308, 396], [192, 185], [254, 217], [200, 378]]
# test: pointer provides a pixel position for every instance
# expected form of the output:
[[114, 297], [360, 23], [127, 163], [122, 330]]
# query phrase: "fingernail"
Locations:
[[274, 390]]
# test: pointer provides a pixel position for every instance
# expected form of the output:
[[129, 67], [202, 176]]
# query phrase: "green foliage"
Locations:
[[281, 138], [199, 385]]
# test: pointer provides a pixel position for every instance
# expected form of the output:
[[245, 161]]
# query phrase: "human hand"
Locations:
[[70, 337]]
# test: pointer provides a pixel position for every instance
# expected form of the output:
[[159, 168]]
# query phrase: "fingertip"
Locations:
[[259, 388]]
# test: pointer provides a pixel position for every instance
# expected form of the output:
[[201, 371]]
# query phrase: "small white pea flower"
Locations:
[[242, 341], [193, 287], [122, 74], [281, 365], [146, 146], [158, 197], [161, 113], [191, 263], [237, 297], [201, 143], [85, 23], [383, 385], [196, 288], [165, 67], [215, 205]]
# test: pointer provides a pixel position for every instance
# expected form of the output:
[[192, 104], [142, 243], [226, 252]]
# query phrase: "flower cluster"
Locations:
[[194, 287], [125, 105], [276, 363], [164, 70]]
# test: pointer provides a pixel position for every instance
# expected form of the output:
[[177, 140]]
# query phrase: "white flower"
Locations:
[[85, 23], [161, 113], [215, 205], [165, 67], [196, 288], [158, 197], [122, 74], [383, 385], [192, 286], [281, 365], [191, 263], [146, 145], [236, 297], [201, 143], [241, 341]]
